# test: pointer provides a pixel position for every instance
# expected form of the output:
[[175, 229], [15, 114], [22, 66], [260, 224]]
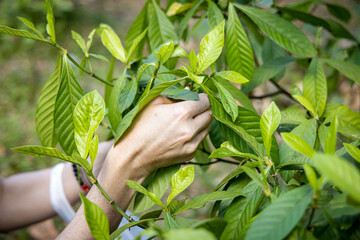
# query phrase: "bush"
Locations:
[[307, 188]]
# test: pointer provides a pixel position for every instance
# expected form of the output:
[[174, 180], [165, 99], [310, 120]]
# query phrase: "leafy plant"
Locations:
[[307, 188]]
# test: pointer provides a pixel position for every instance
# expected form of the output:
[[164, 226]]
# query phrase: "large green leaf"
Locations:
[[161, 30], [269, 122], [198, 201], [211, 47], [330, 141], [241, 210], [298, 144], [280, 31], [353, 151], [137, 187], [113, 107], [50, 27], [113, 43], [169, 222], [180, 181], [46, 106], [20, 33], [87, 116], [158, 186], [281, 216], [239, 54], [136, 28], [188, 234], [267, 71], [340, 172], [348, 69], [69, 94], [215, 15], [227, 101], [227, 150], [185, 20], [96, 219], [151, 95], [127, 95], [315, 87]]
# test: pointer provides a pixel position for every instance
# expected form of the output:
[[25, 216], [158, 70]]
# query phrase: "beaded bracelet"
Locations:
[[83, 186]]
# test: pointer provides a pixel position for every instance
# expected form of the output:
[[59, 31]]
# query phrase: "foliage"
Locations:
[[303, 189]]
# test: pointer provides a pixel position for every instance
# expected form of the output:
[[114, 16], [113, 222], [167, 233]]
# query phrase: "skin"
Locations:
[[163, 134]]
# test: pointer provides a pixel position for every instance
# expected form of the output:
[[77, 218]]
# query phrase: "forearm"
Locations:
[[25, 197], [113, 179]]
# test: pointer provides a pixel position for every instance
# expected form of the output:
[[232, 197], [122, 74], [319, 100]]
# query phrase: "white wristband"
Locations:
[[57, 196]]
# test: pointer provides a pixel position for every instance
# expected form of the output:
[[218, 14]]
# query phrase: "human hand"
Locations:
[[165, 133]]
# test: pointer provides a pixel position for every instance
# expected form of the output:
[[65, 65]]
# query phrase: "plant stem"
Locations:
[[282, 90], [209, 163], [266, 95], [311, 217], [112, 202], [90, 73]]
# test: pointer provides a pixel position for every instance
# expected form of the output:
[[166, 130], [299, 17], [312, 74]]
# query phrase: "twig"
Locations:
[[282, 90], [209, 163], [88, 72], [266, 95]]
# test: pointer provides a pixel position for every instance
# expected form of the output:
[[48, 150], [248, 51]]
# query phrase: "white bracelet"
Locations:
[[57, 195]]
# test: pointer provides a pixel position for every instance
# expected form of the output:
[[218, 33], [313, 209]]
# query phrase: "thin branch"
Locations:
[[266, 95], [282, 90], [209, 163], [88, 72]]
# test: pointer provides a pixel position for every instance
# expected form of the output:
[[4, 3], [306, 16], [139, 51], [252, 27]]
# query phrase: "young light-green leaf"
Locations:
[[280, 31], [50, 27], [137, 187], [31, 25], [298, 144], [165, 51], [135, 44], [227, 101], [112, 42], [94, 144], [306, 103], [232, 76], [88, 114], [193, 61], [211, 47], [114, 108], [353, 151], [269, 122], [80, 42], [228, 150], [341, 173], [96, 219], [239, 54], [45, 108], [20, 33], [315, 87], [281, 216], [180, 181], [127, 95], [330, 141]]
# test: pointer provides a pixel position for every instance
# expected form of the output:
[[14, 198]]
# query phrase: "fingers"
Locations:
[[195, 107], [161, 100], [203, 120], [194, 143]]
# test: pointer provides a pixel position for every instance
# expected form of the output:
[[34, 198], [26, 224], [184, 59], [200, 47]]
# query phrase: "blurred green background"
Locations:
[[26, 64]]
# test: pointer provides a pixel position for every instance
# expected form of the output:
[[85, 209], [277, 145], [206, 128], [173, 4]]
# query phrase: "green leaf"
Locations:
[[197, 79], [90, 39], [339, 12], [96, 219], [311, 176], [112, 42], [330, 141], [306, 103], [114, 108], [232, 76], [68, 95], [180, 181], [193, 61], [298, 144], [214, 225], [341, 173], [353, 151], [20, 33], [161, 30], [93, 149], [211, 47], [227, 101], [315, 88], [80, 42], [215, 15], [165, 51], [135, 44], [198, 201], [256, 178], [239, 54], [87, 116], [98, 56], [137, 187], [136, 29], [280, 217], [269, 122], [280, 31], [158, 186], [228, 150], [180, 94], [30, 25], [348, 69], [50, 27], [185, 20], [46, 106], [188, 234], [268, 71], [151, 95], [169, 222], [127, 95], [241, 210], [117, 233]]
